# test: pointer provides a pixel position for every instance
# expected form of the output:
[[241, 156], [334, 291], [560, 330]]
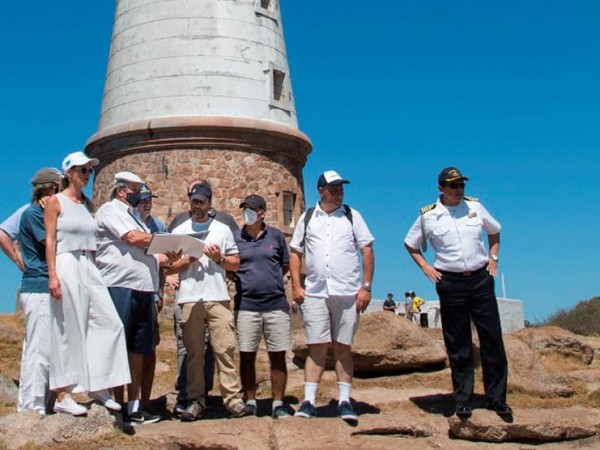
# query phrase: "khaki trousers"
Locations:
[[219, 319]]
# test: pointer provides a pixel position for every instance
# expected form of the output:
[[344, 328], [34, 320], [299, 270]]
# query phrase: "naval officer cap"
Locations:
[[330, 178], [450, 174]]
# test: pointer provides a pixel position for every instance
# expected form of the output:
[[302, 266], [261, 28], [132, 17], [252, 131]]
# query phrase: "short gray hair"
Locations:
[[119, 184]]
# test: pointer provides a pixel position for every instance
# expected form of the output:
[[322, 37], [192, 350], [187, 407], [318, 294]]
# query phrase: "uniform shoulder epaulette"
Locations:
[[427, 208], [471, 199]]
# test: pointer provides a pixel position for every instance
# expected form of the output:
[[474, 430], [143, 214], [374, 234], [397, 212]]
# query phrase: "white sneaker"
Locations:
[[69, 406], [105, 399]]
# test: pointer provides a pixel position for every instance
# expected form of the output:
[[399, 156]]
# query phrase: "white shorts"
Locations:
[[334, 318], [250, 326]]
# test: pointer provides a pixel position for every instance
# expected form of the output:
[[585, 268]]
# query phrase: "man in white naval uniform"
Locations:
[[463, 273]]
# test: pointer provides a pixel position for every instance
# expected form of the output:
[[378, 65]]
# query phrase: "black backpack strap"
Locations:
[[309, 213], [307, 216]]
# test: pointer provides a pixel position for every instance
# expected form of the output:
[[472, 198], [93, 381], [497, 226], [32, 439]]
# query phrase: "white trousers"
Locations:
[[33, 383], [88, 341]]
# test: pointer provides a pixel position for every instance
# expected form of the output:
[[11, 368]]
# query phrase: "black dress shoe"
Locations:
[[463, 410], [501, 408]]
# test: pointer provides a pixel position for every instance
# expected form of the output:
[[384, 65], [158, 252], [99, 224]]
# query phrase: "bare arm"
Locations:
[[51, 213], [231, 263], [137, 238], [295, 265], [368, 267], [8, 247], [429, 271], [494, 244]]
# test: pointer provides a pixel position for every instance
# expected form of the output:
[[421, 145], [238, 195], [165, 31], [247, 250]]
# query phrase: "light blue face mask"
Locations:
[[250, 216]]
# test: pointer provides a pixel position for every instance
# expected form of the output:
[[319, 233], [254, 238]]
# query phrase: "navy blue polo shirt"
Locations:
[[259, 280], [32, 234]]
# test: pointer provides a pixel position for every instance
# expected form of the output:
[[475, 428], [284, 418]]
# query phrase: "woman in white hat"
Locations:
[[88, 341]]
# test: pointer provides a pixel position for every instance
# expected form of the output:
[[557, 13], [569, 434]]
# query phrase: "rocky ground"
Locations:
[[402, 393]]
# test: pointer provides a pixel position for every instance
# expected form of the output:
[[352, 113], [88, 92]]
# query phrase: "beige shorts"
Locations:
[[251, 326], [330, 319]]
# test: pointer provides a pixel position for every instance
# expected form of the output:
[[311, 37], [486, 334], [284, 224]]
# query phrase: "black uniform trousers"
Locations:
[[464, 298]]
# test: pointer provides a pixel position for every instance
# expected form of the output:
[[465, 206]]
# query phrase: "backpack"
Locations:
[[308, 216]]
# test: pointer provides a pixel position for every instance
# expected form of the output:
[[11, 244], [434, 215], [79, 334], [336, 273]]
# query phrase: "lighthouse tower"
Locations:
[[202, 90]]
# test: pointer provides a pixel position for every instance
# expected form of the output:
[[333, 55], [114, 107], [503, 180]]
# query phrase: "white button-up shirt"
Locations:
[[331, 250], [122, 264], [205, 280], [455, 234]]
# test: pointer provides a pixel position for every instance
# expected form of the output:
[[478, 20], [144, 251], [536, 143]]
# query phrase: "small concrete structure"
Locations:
[[511, 312]]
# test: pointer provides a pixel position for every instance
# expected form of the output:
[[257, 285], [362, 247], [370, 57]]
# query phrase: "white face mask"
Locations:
[[250, 216]]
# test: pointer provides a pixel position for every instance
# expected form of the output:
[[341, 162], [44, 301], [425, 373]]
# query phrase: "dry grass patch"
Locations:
[[557, 362]]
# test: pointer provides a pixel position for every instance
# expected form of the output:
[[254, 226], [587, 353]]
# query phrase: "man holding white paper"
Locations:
[[204, 300]]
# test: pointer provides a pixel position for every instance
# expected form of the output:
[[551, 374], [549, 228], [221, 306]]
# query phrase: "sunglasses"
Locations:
[[456, 185], [85, 170]]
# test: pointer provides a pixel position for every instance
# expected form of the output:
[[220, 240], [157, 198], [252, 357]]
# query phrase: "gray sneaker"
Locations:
[[194, 411], [238, 409]]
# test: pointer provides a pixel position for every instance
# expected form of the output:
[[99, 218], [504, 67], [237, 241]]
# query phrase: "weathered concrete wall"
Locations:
[[196, 58], [511, 313]]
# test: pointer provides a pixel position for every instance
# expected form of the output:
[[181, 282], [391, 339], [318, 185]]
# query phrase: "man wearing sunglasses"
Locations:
[[463, 273]]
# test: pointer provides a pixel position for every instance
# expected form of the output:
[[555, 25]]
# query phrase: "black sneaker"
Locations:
[[194, 411], [179, 407], [140, 418]]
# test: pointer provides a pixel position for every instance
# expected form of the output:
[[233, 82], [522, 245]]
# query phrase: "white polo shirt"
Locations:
[[121, 264], [205, 280], [331, 250], [456, 235]]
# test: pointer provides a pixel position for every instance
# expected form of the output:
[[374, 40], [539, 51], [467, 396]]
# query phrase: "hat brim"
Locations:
[[450, 180], [200, 197], [335, 183]]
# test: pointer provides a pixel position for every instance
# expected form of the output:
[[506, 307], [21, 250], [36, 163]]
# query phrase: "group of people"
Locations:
[[91, 294], [411, 308]]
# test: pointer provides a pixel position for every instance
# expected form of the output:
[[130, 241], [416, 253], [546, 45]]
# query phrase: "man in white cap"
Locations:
[[132, 278], [331, 235]]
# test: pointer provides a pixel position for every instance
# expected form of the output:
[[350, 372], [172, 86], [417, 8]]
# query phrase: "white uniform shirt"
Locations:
[[331, 250], [121, 264], [455, 234], [205, 280]]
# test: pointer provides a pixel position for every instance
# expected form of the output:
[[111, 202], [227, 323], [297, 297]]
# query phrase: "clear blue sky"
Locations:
[[389, 93]]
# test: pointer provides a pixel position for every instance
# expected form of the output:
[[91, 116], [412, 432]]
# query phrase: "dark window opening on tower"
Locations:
[[265, 4], [289, 200], [278, 86]]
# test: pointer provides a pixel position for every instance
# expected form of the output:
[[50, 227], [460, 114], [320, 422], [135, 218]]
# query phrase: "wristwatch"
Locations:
[[367, 287], [221, 261], [494, 257]]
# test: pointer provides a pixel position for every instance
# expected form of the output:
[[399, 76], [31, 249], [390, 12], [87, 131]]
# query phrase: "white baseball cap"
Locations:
[[127, 176], [78, 159]]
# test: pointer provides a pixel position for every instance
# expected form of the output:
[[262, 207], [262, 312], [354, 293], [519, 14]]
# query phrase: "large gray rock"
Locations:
[[387, 342], [8, 390], [527, 372], [249, 433], [537, 425], [34, 430], [555, 339]]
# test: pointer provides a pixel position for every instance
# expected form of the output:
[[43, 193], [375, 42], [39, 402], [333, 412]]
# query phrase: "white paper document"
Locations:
[[163, 243]]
